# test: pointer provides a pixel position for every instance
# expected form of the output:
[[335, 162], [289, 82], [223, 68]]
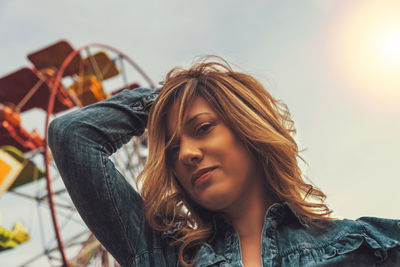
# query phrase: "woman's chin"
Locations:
[[215, 200]]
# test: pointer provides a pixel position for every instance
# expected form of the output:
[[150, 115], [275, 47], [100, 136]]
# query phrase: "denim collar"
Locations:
[[281, 213], [276, 215]]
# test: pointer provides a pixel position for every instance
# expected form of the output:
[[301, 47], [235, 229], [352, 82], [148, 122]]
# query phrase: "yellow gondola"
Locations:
[[87, 91], [14, 237], [100, 65]]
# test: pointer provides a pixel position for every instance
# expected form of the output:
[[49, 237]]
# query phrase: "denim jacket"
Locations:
[[82, 142]]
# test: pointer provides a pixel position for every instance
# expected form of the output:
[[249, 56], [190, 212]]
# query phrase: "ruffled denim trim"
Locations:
[[365, 242], [352, 242]]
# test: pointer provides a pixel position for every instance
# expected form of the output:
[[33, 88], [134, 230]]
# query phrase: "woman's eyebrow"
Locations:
[[189, 121]]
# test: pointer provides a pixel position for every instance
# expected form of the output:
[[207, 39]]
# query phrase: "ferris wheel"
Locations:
[[61, 79]]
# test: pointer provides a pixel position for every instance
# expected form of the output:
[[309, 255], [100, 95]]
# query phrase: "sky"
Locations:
[[336, 64]]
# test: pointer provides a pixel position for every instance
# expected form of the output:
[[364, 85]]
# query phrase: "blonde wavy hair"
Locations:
[[242, 103]]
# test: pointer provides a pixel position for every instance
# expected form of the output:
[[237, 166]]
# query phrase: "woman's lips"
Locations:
[[203, 177]]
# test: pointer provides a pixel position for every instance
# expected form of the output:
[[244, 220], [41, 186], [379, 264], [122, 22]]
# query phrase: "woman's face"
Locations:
[[209, 161]]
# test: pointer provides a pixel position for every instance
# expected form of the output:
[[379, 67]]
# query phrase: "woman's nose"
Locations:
[[189, 152]]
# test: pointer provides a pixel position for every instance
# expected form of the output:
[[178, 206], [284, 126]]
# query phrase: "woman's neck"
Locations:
[[247, 214]]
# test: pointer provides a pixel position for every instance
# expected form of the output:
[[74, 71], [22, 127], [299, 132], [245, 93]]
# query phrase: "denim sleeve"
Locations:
[[81, 143]]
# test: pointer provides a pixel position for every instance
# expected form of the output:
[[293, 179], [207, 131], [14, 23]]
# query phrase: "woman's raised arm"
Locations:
[[81, 143]]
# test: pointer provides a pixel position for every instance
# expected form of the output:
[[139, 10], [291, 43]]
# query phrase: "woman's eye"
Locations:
[[203, 128]]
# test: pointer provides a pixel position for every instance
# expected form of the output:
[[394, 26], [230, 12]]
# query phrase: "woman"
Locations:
[[221, 185]]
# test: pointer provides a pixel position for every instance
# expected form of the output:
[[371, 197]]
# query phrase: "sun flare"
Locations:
[[365, 50], [388, 46]]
